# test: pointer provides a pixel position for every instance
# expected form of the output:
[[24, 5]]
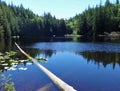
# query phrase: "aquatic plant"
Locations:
[[11, 53], [9, 60], [6, 83], [41, 59]]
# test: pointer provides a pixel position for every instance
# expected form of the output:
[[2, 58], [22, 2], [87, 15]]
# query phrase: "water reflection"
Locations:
[[98, 57], [105, 53], [8, 44], [68, 60], [105, 58]]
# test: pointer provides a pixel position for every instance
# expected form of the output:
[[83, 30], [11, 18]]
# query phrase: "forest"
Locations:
[[99, 20], [94, 21], [18, 21]]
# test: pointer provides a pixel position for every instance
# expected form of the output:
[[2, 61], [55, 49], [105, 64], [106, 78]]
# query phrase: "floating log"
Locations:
[[60, 83]]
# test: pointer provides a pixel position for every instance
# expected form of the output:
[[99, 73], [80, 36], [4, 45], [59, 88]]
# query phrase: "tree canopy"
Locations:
[[18, 21], [95, 21], [98, 20]]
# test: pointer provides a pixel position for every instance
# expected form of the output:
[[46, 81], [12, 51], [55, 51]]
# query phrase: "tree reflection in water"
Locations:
[[98, 57], [105, 58]]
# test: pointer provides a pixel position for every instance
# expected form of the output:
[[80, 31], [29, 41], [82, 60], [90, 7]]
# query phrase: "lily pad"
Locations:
[[1, 57], [11, 60], [1, 54], [5, 64], [6, 57], [12, 68], [22, 68]]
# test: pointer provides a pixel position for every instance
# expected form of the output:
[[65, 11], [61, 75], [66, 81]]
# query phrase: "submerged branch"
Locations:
[[61, 84]]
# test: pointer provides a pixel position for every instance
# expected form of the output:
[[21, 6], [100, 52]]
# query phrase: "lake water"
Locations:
[[87, 66]]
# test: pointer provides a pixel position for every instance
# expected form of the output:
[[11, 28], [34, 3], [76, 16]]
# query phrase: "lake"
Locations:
[[85, 65]]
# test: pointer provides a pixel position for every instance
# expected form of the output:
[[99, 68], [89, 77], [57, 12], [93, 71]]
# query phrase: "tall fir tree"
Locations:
[[117, 1]]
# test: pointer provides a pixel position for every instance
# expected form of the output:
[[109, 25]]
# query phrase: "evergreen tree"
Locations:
[[117, 1], [107, 3], [16, 20]]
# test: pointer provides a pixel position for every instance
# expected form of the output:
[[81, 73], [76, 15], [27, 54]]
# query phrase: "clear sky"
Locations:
[[59, 8]]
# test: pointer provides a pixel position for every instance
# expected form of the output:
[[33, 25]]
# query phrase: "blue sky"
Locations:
[[59, 8]]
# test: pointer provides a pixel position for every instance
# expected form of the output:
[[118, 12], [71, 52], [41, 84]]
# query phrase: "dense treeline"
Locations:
[[100, 20], [46, 26], [13, 19], [18, 21]]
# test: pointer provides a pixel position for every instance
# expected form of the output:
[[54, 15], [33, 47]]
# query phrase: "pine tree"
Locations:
[[107, 3], [117, 1]]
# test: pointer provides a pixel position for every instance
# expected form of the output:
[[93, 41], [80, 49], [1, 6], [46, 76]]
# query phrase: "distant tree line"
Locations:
[[97, 20], [18, 21]]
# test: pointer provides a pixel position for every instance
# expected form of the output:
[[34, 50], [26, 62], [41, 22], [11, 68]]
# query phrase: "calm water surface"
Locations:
[[87, 66]]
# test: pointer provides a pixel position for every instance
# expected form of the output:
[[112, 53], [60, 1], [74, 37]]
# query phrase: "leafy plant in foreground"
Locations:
[[6, 83]]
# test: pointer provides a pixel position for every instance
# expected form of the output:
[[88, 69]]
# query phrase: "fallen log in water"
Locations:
[[61, 84]]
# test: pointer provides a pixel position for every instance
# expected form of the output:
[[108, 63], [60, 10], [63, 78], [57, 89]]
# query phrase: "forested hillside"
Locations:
[[95, 21], [18, 21], [99, 20]]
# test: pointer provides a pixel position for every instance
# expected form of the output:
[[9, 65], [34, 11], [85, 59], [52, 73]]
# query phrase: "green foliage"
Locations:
[[29, 60], [39, 59], [9, 60], [11, 53], [6, 83], [18, 21], [98, 20]]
